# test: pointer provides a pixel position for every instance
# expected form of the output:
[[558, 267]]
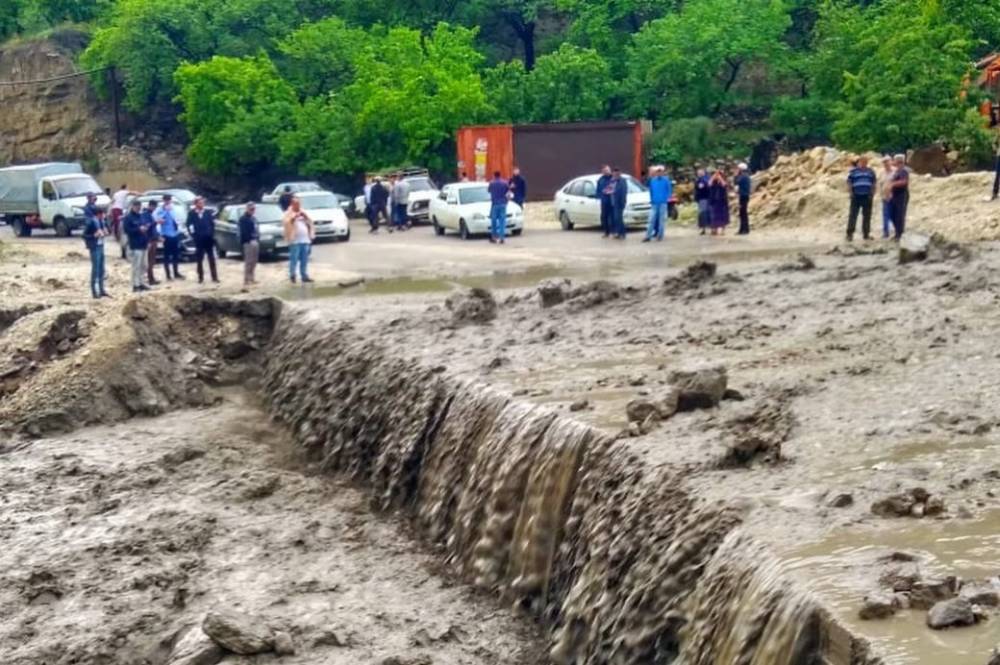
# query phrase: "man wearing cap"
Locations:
[[201, 226], [250, 242], [861, 181], [743, 188], [170, 230], [137, 232]]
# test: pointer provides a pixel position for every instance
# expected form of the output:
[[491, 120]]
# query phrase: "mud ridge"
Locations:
[[618, 560]]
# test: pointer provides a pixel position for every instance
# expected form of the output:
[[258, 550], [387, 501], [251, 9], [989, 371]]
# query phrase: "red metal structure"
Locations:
[[549, 155]]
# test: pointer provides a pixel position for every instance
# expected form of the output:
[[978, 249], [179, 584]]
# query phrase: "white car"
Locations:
[[293, 187], [422, 192], [578, 203], [465, 207], [330, 219]]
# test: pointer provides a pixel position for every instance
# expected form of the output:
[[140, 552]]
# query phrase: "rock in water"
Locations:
[[195, 648], [914, 247], [994, 657], [878, 605], [239, 633], [699, 388], [951, 613], [472, 306], [553, 292]]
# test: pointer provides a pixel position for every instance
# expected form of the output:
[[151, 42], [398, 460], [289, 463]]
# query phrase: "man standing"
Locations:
[[900, 195], [518, 187], [154, 240], [499, 190], [138, 244], [118, 200], [379, 203], [170, 231], [886, 191], [996, 178], [861, 182], [367, 192], [201, 226], [701, 184], [94, 233], [285, 199], [299, 234], [250, 242], [619, 200], [604, 192], [661, 188], [400, 201], [743, 187]]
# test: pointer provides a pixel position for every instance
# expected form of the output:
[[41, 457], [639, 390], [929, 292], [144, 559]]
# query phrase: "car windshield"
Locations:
[[266, 213], [634, 186], [420, 184], [319, 201], [77, 186], [299, 187], [473, 195]]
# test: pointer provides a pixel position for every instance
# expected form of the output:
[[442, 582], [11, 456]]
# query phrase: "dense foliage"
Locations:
[[339, 86]]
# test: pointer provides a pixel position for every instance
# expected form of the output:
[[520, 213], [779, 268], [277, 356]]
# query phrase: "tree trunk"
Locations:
[[527, 35], [734, 71]]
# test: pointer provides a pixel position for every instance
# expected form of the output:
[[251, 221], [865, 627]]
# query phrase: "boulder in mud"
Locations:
[[699, 388], [928, 592], [195, 647], [692, 277], [283, 645], [639, 409], [878, 605], [918, 247], [842, 500], [983, 594], [894, 505], [642, 409], [238, 633], [552, 292], [952, 613], [474, 306], [594, 294], [994, 657]]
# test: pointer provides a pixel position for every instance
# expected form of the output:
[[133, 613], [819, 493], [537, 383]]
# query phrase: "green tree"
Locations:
[[234, 109], [321, 140], [320, 57], [912, 89], [570, 84], [687, 63], [506, 88]]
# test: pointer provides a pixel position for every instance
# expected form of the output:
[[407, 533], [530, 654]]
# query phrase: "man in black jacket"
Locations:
[[379, 201], [250, 242], [607, 210], [619, 200], [201, 226], [137, 232]]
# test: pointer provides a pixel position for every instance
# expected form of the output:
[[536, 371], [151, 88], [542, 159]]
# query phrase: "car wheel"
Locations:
[[221, 251], [438, 229], [347, 236], [20, 227], [567, 225], [463, 230], [62, 227], [516, 232]]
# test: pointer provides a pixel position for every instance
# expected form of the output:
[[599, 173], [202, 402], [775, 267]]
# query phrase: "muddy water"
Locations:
[[621, 562]]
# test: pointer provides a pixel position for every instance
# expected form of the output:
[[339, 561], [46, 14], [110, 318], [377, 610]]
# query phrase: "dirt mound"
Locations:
[[475, 306], [809, 190], [65, 367]]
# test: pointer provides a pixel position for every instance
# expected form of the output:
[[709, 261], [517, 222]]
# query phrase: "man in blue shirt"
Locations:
[[743, 187], [94, 233], [170, 231], [661, 188], [861, 181], [499, 190]]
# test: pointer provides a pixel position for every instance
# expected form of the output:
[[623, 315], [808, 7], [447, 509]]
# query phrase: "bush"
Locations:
[[802, 118], [681, 141]]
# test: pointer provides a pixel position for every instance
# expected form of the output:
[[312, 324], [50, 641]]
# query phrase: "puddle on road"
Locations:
[[840, 567], [522, 278]]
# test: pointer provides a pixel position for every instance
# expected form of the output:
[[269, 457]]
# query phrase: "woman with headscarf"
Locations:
[[718, 202]]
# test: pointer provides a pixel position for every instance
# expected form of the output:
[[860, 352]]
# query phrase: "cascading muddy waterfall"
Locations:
[[619, 560]]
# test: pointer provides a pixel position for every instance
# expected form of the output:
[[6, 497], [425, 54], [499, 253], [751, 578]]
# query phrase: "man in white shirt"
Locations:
[[118, 202]]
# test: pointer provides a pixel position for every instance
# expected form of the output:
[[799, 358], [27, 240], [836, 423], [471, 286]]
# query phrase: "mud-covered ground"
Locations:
[[857, 379], [117, 538]]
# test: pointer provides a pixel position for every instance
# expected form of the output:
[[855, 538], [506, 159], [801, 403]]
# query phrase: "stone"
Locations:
[[700, 388], [901, 578], [927, 592], [474, 306], [552, 292], [878, 605], [329, 638], [239, 633], [195, 648], [982, 594], [638, 410], [934, 506], [994, 657], [895, 505], [283, 645], [234, 347], [914, 247], [842, 500], [579, 405], [950, 614]]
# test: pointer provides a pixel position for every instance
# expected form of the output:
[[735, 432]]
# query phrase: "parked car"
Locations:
[[330, 218], [40, 196], [578, 203], [294, 187], [465, 207], [180, 210], [422, 192], [272, 235]]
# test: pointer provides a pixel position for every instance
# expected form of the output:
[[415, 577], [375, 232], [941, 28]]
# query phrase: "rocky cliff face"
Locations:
[[57, 120]]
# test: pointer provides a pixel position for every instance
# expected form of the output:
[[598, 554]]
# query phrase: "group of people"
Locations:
[[894, 192], [141, 230], [711, 195], [501, 193]]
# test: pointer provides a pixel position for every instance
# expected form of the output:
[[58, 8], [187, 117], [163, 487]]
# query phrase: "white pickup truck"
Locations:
[[41, 196]]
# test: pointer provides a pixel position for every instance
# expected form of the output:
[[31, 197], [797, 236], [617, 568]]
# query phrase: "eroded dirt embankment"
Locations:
[[620, 561]]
